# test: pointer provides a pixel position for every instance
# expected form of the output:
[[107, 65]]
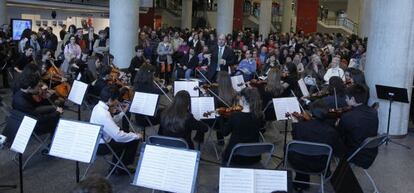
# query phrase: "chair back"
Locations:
[[250, 150], [308, 149], [167, 141], [369, 143]]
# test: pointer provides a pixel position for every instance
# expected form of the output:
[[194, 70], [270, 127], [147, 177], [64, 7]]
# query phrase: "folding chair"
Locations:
[[369, 143], [251, 150], [117, 165], [12, 125], [309, 149], [212, 141], [167, 141]]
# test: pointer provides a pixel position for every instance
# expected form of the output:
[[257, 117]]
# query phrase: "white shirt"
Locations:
[[101, 116], [334, 72]]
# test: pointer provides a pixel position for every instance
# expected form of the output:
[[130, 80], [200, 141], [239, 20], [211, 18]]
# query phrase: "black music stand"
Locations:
[[392, 94]]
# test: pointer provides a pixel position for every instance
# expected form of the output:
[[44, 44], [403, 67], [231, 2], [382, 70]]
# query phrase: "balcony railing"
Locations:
[[344, 22]]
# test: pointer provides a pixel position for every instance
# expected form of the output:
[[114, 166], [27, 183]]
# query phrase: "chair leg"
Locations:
[[86, 172], [41, 145], [212, 142], [261, 136], [322, 183], [372, 181]]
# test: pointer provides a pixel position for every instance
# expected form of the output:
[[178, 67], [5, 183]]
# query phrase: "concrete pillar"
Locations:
[[353, 10], [287, 16], [123, 20], [225, 11], [186, 14], [390, 58], [265, 19], [3, 12], [365, 17]]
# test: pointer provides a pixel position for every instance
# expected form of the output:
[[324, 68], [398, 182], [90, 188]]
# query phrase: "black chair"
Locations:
[[369, 143], [251, 150], [167, 141], [312, 150]]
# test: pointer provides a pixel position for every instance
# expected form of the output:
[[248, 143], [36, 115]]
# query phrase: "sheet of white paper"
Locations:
[[189, 86], [23, 134], [75, 140], [79, 76], [167, 169], [238, 83], [266, 181], [235, 180], [303, 88], [285, 105], [144, 103], [77, 93], [201, 105]]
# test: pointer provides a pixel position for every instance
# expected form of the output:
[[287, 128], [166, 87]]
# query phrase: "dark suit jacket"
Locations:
[[198, 48], [228, 55], [189, 62]]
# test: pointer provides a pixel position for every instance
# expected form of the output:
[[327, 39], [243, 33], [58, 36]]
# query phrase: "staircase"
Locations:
[[340, 25]]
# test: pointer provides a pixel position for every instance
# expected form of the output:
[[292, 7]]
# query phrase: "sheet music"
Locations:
[[167, 169], [189, 86], [303, 88], [285, 105], [23, 134], [144, 103], [75, 140], [238, 83], [77, 92], [235, 180], [201, 105], [266, 181]]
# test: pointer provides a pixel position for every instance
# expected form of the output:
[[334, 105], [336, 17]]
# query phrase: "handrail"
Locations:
[[343, 22]]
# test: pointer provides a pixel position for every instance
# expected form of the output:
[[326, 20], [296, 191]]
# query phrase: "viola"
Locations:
[[225, 111]]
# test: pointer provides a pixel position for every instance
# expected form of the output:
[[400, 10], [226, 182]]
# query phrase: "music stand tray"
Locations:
[[392, 94]]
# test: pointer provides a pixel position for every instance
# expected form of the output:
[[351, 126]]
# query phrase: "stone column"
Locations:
[[390, 58], [353, 10], [287, 16], [225, 11], [186, 14], [123, 20], [265, 19], [365, 17], [3, 12]]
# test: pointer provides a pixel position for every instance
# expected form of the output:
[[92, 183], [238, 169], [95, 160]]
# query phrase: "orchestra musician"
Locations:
[[24, 59], [136, 62]]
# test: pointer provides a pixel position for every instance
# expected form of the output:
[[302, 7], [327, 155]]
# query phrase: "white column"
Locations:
[[123, 20], [3, 12], [265, 19], [390, 58], [287, 15], [225, 12], [186, 13], [352, 10], [365, 17]]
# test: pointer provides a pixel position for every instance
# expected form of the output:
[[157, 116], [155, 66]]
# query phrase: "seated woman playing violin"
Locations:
[[244, 126]]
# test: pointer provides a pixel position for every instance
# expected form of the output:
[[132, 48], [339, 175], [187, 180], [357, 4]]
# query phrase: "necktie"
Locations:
[[220, 54]]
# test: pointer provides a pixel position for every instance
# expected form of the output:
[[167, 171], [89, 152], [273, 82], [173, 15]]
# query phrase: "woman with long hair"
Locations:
[[244, 126], [177, 120]]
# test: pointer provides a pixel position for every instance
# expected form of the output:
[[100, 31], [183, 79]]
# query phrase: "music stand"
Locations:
[[392, 94]]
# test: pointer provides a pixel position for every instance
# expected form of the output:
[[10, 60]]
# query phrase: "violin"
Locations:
[[62, 89], [257, 83], [338, 112], [305, 116], [318, 95], [126, 91], [224, 111], [208, 86]]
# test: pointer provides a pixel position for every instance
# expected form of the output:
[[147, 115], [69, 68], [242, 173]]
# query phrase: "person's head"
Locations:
[[250, 97], [28, 50], [191, 51], [49, 30], [145, 75], [29, 78], [318, 109], [225, 89], [26, 34], [336, 85], [33, 36], [79, 32], [248, 54], [263, 50], [139, 50], [46, 54], [109, 95], [221, 40], [72, 39], [335, 62], [205, 49], [274, 85], [93, 184], [174, 116], [104, 71], [292, 69], [102, 34], [355, 95], [72, 29], [64, 27], [354, 76], [195, 37]]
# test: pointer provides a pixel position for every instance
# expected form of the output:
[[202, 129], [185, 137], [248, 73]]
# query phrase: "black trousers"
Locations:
[[129, 147]]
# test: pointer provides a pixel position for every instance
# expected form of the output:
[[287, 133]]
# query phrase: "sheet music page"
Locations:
[[235, 180], [189, 86], [201, 105], [167, 169], [303, 88], [144, 103], [238, 83], [77, 92], [23, 134], [285, 105], [75, 140], [270, 180]]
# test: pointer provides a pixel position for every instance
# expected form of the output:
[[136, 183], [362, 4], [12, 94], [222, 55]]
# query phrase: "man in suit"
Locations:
[[90, 38], [222, 56], [187, 64]]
